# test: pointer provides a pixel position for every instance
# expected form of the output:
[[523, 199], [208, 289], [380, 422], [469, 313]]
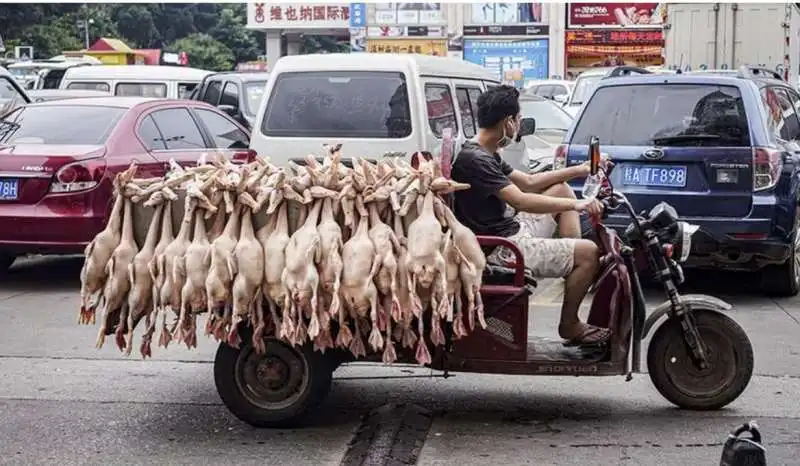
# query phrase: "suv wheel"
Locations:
[[784, 279]]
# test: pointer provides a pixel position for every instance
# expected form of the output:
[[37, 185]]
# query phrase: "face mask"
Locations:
[[506, 140]]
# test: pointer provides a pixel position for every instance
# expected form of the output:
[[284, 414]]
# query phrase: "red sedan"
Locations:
[[58, 160]]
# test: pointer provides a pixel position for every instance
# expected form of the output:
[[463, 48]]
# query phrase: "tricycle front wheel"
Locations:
[[681, 382], [275, 389]]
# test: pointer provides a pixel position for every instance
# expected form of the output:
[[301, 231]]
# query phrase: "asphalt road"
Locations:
[[63, 402]]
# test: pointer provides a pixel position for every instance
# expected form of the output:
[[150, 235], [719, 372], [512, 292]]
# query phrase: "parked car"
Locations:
[[58, 160], [46, 95], [587, 81], [722, 150], [558, 90], [237, 94], [172, 82], [536, 150]]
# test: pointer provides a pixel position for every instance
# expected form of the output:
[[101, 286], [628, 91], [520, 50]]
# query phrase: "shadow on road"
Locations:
[[46, 273]]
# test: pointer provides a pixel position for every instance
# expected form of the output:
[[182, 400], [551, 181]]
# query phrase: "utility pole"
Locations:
[[84, 24]]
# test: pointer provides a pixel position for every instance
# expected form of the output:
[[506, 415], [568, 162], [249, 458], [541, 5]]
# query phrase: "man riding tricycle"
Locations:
[[698, 357]]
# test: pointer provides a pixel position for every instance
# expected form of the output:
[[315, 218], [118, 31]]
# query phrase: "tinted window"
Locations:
[[90, 86], [178, 128], [149, 134], [547, 114], [185, 89], [254, 94], [441, 113], [781, 114], [62, 124], [226, 134], [230, 95], [213, 91], [347, 104], [466, 108], [158, 90], [673, 114]]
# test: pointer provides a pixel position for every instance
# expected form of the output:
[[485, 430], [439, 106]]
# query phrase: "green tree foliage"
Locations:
[[52, 28], [205, 52]]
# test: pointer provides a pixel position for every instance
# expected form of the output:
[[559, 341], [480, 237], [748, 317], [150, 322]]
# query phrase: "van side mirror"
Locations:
[[527, 126]]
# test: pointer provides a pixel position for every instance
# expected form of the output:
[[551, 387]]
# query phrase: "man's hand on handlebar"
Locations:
[[591, 206]]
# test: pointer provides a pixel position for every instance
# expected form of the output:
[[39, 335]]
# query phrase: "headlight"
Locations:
[[684, 240]]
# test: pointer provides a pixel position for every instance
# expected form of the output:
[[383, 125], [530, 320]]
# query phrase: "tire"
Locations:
[[783, 280], [6, 261], [304, 381], [674, 375]]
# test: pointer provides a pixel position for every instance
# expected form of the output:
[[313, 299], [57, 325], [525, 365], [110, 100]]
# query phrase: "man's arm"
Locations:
[[535, 203], [538, 182]]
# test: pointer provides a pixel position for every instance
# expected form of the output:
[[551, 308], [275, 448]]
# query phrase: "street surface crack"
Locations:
[[785, 311]]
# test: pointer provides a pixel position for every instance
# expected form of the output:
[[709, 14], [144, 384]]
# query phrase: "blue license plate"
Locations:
[[654, 175], [9, 189]]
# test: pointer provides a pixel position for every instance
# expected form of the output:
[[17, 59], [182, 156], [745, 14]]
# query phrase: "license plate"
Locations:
[[9, 189], [655, 175]]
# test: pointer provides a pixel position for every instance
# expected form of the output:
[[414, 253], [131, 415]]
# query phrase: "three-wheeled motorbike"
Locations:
[[698, 357]]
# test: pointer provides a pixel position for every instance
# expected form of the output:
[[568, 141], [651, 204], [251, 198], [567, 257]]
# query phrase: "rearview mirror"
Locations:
[[527, 127], [230, 110]]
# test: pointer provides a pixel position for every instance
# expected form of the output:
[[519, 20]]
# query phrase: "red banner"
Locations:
[[628, 15], [605, 36]]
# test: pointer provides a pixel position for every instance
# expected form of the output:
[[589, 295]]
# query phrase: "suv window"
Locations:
[[441, 112], [343, 104], [213, 91], [230, 95], [668, 114], [467, 115], [226, 134], [559, 90], [781, 115], [179, 129]]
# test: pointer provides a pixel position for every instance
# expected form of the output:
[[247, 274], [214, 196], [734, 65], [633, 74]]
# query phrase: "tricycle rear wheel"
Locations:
[[276, 389], [676, 377]]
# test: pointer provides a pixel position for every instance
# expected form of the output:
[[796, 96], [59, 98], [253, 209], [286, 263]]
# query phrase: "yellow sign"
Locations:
[[423, 46]]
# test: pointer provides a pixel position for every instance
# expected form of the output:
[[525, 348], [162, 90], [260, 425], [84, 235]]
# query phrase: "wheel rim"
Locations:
[[693, 381], [274, 380]]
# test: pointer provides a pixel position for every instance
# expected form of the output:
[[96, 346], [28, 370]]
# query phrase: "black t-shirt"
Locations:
[[479, 208]]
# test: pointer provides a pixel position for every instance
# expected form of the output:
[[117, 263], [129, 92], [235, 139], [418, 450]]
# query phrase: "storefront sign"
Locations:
[[406, 31], [297, 16], [505, 13], [512, 30], [614, 15], [606, 36], [422, 46], [358, 15], [518, 60], [405, 14]]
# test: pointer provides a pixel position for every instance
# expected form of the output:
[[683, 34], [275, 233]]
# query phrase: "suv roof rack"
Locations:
[[626, 71], [758, 72]]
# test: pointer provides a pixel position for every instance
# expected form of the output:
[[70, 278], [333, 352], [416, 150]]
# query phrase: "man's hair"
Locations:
[[496, 104]]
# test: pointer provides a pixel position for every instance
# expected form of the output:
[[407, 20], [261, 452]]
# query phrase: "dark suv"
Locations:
[[722, 149], [237, 94]]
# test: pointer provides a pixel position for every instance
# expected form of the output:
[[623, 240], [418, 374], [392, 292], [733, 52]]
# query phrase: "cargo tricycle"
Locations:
[[698, 357]]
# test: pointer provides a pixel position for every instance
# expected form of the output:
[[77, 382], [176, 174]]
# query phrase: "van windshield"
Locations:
[[340, 104]]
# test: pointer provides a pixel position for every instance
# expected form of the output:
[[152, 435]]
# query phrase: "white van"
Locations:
[[174, 82], [371, 103]]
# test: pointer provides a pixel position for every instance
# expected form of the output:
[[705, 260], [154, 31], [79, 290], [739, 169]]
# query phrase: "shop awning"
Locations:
[[624, 50]]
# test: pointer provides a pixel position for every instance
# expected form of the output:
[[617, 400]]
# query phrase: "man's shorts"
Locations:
[[547, 257]]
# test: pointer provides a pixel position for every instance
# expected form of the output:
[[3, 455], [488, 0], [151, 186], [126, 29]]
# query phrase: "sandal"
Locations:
[[590, 336]]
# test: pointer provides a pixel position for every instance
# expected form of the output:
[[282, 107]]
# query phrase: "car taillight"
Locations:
[[243, 156], [560, 159], [78, 176], [767, 165]]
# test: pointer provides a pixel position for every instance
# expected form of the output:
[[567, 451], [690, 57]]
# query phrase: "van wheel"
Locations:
[[784, 279]]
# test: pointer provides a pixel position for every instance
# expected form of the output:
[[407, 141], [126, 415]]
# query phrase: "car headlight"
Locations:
[[683, 238]]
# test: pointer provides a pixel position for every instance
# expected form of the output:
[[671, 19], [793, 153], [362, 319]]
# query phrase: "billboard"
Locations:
[[518, 61], [615, 15], [404, 14], [505, 13], [436, 47]]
